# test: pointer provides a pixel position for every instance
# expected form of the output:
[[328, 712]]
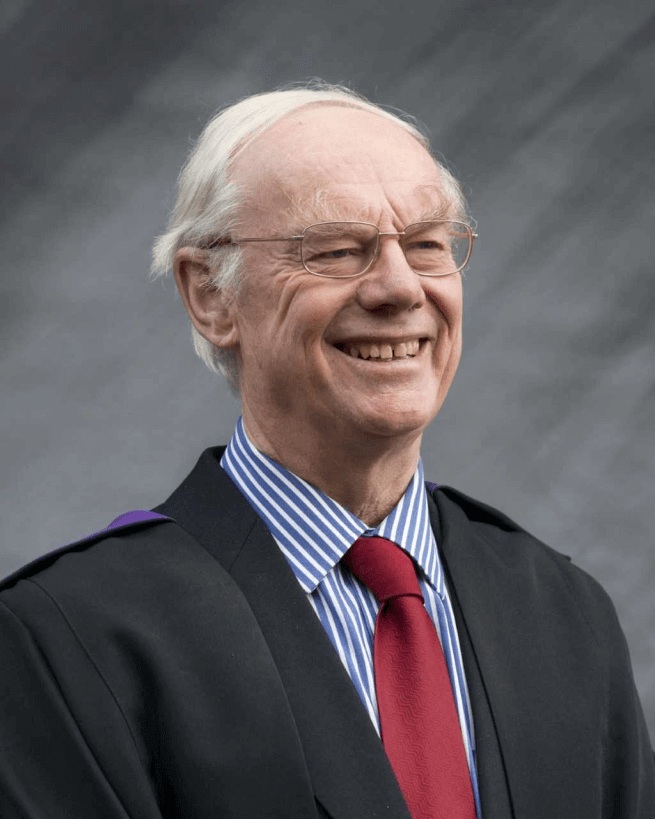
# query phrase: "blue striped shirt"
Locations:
[[314, 532]]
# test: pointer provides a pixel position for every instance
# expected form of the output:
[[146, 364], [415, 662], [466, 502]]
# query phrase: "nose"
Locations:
[[390, 283]]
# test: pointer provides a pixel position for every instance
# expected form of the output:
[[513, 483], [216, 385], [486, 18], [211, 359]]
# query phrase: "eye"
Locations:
[[426, 244], [337, 253], [431, 247]]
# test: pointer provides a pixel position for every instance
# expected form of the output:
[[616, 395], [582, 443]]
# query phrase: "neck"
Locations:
[[367, 476]]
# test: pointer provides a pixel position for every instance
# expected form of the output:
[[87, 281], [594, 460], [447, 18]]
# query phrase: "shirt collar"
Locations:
[[313, 530]]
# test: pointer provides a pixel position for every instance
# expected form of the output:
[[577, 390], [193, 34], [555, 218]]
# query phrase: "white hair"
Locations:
[[208, 205]]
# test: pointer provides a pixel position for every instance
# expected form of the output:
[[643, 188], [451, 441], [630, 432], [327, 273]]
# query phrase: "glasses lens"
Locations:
[[339, 249], [437, 248]]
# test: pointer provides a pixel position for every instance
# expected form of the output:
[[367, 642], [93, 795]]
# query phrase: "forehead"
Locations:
[[332, 162]]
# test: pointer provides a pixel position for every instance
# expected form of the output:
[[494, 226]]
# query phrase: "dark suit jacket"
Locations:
[[176, 669]]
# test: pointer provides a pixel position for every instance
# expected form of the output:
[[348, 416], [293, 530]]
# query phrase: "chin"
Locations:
[[391, 423]]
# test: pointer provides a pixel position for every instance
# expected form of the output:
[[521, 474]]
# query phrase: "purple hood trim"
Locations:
[[123, 521], [136, 516]]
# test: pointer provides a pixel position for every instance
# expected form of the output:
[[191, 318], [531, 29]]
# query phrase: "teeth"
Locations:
[[385, 351]]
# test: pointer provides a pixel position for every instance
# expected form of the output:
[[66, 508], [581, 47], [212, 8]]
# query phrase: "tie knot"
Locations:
[[385, 568]]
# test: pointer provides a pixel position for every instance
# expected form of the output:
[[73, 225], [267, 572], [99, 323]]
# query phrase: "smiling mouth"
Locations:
[[382, 351]]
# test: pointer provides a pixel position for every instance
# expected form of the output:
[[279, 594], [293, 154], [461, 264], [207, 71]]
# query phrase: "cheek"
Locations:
[[284, 316], [305, 314], [285, 336], [446, 296]]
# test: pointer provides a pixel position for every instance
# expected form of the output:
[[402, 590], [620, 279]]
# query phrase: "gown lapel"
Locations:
[[347, 765], [495, 798]]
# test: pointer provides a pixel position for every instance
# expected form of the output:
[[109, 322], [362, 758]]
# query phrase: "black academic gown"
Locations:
[[176, 669]]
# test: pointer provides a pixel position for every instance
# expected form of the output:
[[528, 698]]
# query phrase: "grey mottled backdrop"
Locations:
[[544, 110]]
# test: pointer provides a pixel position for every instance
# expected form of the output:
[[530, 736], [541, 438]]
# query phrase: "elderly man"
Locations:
[[305, 627]]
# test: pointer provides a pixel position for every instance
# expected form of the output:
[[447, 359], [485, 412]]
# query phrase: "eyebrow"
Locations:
[[319, 207], [443, 211], [323, 207], [445, 207]]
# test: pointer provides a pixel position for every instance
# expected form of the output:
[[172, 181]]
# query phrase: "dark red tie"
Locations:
[[420, 728]]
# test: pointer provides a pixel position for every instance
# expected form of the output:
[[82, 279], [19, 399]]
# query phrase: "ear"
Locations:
[[211, 311]]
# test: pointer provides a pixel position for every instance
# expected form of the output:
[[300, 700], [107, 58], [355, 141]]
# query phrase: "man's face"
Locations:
[[300, 338]]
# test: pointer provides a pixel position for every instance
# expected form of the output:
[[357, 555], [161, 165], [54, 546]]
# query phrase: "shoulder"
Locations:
[[144, 562], [123, 608], [133, 570], [493, 529], [456, 511], [123, 539], [520, 563], [124, 524]]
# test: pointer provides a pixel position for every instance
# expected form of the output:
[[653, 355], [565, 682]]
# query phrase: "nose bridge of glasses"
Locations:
[[377, 250], [399, 235], [383, 233]]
